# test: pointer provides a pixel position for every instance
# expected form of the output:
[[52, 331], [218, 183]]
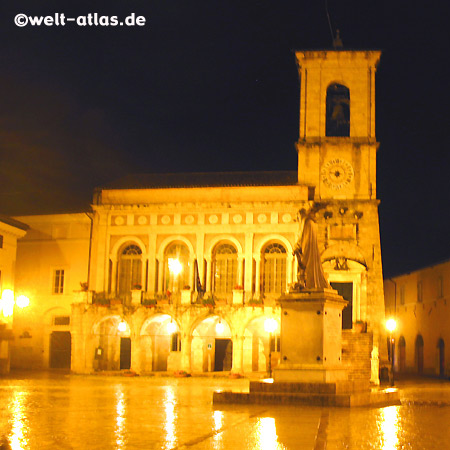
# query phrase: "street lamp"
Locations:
[[175, 268], [22, 301], [7, 302], [220, 327], [391, 325], [270, 325], [171, 327], [122, 326]]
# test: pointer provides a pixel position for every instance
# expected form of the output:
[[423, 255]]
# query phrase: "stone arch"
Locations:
[[123, 241], [345, 250], [226, 267], [177, 267], [275, 268], [418, 354], [273, 238], [337, 120], [155, 342], [110, 352], [345, 266], [211, 347], [169, 240], [224, 238], [256, 344], [114, 256]]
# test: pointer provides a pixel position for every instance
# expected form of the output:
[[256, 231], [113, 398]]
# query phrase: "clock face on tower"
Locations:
[[337, 173]]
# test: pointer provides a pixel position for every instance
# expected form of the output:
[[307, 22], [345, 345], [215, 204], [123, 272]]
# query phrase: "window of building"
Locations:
[[175, 345], [130, 269], [402, 295], [176, 269], [225, 268], [275, 343], [419, 292], [58, 281], [61, 320], [338, 111], [1, 241], [440, 286], [274, 269]]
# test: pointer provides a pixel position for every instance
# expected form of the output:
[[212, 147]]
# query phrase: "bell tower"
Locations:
[[337, 145], [337, 161]]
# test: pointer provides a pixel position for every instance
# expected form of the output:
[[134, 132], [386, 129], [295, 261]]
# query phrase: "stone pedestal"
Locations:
[[311, 370], [311, 334]]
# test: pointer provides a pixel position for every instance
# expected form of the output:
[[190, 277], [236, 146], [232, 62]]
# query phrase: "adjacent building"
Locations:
[[418, 302], [180, 271], [10, 231]]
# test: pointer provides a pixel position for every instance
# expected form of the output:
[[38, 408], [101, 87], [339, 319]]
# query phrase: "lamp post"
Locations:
[[175, 268], [391, 325], [270, 325]]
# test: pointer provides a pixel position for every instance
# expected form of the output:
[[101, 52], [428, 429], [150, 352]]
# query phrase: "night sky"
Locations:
[[213, 86]]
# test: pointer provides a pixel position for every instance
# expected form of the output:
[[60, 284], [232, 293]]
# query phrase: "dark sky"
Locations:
[[212, 86]]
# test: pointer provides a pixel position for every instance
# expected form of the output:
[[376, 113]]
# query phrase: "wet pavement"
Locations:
[[62, 411]]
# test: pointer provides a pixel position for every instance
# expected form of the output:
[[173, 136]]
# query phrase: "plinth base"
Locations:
[[309, 373], [340, 394]]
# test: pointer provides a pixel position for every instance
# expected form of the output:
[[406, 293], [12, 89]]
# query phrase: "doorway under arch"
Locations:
[[212, 347], [419, 354]]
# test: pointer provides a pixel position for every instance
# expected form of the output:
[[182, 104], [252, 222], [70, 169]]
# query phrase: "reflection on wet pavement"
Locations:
[[97, 412]]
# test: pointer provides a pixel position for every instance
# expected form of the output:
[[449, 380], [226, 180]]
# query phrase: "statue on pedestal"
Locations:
[[310, 273]]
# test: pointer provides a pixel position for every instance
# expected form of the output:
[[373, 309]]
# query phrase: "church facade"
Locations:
[[179, 272]]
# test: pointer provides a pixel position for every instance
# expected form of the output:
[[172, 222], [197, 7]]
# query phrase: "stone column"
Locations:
[[208, 274], [135, 352], [191, 272], [114, 274], [151, 276], [240, 270], [248, 259], [186, 342], [160, 275], [289, 279], [238, 354], [258, 276]]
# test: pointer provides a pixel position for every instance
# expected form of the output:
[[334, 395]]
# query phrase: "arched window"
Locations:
[[130, 269], [338, 111], [224, 268], [274, 269], [176, 267]]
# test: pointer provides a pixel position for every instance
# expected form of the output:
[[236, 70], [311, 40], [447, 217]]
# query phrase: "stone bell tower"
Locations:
[[337, 145], [337, 160]]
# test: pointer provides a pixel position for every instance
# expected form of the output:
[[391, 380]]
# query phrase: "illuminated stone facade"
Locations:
[[190, 266], [10, 231], [419, 302]]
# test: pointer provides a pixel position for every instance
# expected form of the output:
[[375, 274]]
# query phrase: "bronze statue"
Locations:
[[310, 273]]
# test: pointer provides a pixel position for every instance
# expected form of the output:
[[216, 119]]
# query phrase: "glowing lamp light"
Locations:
[[7, 302], [391, 325], [171, 327], [175, 266], [220, 327], [270, 325], [22, 301], [122, 326]]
